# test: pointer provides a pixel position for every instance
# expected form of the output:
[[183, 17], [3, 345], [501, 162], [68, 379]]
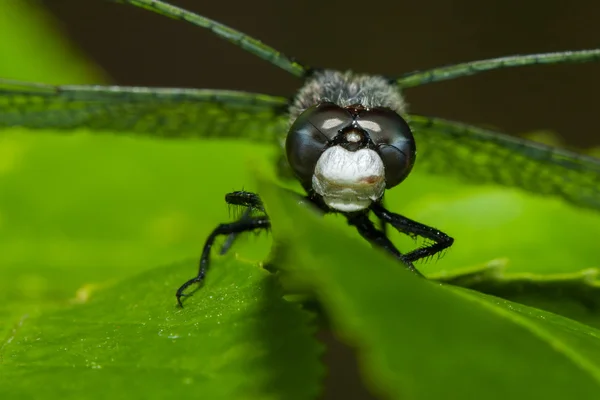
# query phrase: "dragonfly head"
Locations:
[[350, 155]]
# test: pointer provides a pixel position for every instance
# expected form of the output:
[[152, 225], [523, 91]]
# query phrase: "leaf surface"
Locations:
[[420, 339], [237, 339]]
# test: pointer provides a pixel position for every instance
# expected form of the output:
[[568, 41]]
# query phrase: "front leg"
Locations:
[[242, 198], [247, 222], [378, 238], [252, 204], [413, 228], [242, 225]]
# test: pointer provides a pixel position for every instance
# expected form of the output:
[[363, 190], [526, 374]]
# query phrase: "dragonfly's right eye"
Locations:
[[309, 135]]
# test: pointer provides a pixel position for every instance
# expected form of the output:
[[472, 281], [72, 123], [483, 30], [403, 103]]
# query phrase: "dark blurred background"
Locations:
[[136, 47]]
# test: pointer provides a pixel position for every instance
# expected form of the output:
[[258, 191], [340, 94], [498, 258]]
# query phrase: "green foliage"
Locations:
[[128, 342], [424, 340]]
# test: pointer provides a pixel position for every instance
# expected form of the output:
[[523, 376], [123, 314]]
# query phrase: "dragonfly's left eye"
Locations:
[[394, 140], [309, 135]]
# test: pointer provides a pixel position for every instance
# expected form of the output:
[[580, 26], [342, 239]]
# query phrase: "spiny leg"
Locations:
[[413, 228], [245, 199], [251, 201], [367, 229], [242, 225]]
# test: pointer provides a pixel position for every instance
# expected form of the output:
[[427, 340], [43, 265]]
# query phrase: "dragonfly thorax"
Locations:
[[346, 89]]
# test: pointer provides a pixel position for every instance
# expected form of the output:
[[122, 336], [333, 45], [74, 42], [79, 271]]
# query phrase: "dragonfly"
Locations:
[[346, 137]]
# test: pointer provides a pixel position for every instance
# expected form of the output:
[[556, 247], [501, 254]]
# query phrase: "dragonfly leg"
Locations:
[[377, 237], [251, 202], [244, 224], [409, 227], [383, 225], [245, 199], [253, 205]]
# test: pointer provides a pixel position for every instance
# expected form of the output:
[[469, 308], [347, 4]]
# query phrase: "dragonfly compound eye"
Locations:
[[310, 135], [394, 141], [350, 155]]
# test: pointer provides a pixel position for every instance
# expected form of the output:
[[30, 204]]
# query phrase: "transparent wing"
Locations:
[[483, 156], [169, 113], [419, 78]]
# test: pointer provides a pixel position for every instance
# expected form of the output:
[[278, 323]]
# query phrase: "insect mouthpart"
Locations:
[[349, 180]]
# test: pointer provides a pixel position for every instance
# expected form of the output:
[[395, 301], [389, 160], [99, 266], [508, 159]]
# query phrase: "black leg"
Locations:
[[383, 225], [377, 237], [242, 225], [252, 203], [413, 228], [245, 199], [232, 236]]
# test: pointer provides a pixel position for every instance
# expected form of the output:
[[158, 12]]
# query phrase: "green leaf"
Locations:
[[236, 338], [419, 339], [575, 295]]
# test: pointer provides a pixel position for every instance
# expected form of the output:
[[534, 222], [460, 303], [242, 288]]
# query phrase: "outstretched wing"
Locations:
[[159, 112], [483, 156], [444, 147], [419, 78]]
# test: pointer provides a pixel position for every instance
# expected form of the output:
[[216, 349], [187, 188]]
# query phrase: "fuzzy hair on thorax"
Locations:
[[345, 89]]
